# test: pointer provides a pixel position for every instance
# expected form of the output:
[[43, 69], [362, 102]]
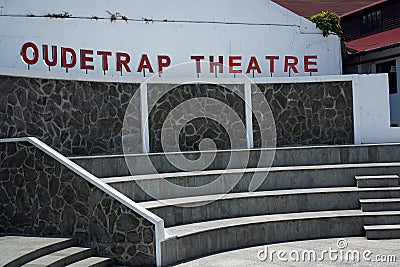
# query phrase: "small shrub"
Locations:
[[329, 23]]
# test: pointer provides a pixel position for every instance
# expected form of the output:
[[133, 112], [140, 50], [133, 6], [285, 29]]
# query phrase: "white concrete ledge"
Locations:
[[377, 177], [382, 227], [380, 200], [55, 75]]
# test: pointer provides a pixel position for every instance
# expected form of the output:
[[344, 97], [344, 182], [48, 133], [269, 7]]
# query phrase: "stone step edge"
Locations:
[[234, 150], [195, 228], [91, 261], [206, 198], [376, 177], [380, 200], [32, 255], [382, 227], [246, 170], [80, 252]]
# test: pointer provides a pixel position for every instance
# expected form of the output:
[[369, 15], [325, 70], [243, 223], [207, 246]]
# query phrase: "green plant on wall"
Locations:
[[329, 23]]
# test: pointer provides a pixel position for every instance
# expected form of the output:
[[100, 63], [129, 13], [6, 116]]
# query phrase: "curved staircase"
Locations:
[[372, 204], [32, 251], [310, 193]]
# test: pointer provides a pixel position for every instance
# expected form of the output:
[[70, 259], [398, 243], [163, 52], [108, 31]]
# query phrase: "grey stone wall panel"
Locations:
[[73, 117], [310, 113], [164, 98], [86, 118]]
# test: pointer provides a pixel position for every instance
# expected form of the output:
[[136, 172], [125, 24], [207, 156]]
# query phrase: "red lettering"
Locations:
[[232, 64], [104, 58], [308, 63], [253, 65], [219, 64], [35, 51], [272, 62], [64, 51], [291, 62], [163, 62], [197, 58], [145, 64], [123, 60], [53, 55], [85, 59]]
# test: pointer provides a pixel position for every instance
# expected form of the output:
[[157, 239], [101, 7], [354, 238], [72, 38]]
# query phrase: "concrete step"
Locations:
[[382, 231], [262, 203], [19, 250], [62, 257], [93, 262], [380, 204], [194, 240], [377, 181], [275, 178], [115, 165]]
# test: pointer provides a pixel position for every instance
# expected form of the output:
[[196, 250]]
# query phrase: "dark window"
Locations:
[[372, 22], [365, 24], [351, 28], [390, 16], [379, 19], [389, 68]]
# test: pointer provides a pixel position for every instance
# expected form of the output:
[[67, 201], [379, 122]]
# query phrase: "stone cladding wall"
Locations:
[[73, 117], [86, 118], [40, 196], [164, 98], [310, 113]]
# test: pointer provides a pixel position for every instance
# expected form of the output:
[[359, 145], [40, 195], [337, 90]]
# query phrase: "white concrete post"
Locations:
[[144, 118], [248, 113], [356, 111]]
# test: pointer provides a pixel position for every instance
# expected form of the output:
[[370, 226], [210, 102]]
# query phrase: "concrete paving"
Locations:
[[374, 251]]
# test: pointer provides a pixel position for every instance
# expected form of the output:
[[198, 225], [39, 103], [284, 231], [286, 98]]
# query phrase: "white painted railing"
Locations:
[[154, 219]]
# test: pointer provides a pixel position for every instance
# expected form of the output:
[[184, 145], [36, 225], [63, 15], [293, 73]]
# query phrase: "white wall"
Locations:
[[394, 99], [225, 27], [372, 111]]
